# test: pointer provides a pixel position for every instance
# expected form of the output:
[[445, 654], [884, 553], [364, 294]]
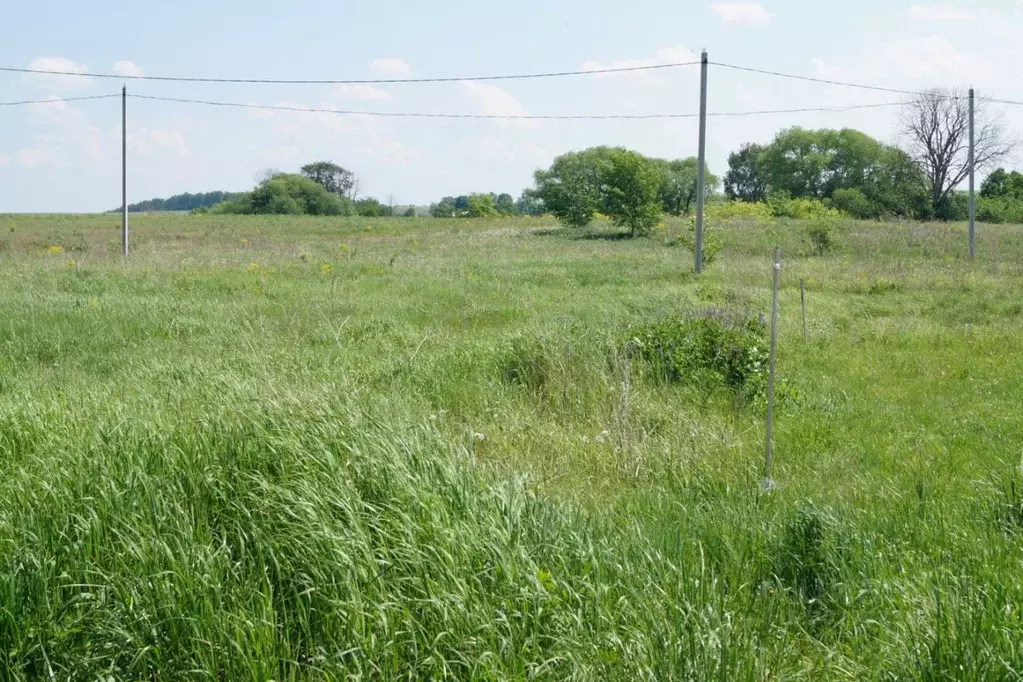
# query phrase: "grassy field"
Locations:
[[276, 448]]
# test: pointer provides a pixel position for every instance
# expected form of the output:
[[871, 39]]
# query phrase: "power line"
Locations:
[[994, 100], [513, 117], [55, 100], [351, 81], [812, 79]]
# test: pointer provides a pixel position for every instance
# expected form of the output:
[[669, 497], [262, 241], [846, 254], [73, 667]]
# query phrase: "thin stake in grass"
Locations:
[[769, 439], [802, 302]]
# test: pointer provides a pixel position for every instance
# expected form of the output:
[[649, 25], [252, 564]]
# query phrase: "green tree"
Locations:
[[998, 185], [529, 203], [630, 183], [371, 208], [445, 208], [815, 164], [292, 194], [677, 189], [333, 178], [505, 205], [745, 179], [571, 188], [480, 206], [410, 212]]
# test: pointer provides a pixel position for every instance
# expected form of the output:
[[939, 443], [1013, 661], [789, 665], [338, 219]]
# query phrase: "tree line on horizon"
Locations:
[[842, 170]]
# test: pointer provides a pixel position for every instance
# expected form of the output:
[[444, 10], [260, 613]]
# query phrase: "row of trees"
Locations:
[[484, 205], [321, 188], [842, 169], [868, 179]]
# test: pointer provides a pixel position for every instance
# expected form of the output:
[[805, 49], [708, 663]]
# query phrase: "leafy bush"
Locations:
[[288, 195], [999, 210], [822, 235], [481, 206], [856, 204], [711, 246], [708, 349], [737, 210], [372, 208], [956, 206], [800, 209]]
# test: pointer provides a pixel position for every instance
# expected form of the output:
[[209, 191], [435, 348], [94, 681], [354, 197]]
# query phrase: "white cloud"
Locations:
[[932, 59], [4, 159], [500, 149], [31, 157], [826, 70], [939, 13], [361, 92], [128, 69], [390, 66], [156, 142], [743, 12], [58, 81], [665, 55], [494, 101]]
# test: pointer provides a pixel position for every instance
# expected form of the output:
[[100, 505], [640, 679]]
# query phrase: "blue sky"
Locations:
[[65, 157]]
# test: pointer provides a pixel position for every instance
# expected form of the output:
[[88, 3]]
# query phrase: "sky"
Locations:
[[65, 157]]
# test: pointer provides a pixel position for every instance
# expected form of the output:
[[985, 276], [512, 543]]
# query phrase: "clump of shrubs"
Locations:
[[822, 235], [709, 349], [711, 245]]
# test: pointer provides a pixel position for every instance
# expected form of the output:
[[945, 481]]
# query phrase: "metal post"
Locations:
[[124, 170], [701, 164], [802, 302], [973, 201], [769, 441]]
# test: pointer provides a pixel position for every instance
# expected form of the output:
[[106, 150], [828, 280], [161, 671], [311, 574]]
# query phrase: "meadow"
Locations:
[[337, 448]]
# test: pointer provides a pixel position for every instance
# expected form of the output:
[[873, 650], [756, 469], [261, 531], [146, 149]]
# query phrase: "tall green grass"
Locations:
[[404, 449]]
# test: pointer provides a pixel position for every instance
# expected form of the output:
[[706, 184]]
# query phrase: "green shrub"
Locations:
[[709, 349], [711, 246], [822, 235], [999, 210], [955, 207], [481, 206], [855, 203], [800, 209], [737, 210]]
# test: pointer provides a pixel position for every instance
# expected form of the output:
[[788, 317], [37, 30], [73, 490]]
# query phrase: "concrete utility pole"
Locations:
[[973, 200], [701, 164], [124, 170]]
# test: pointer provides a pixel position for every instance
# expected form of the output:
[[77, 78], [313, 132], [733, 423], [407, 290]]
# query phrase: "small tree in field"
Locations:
[[481, 206], [630, 183], [570, 189]]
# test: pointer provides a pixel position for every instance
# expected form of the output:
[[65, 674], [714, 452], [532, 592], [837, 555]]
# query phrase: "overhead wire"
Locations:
[[814, 79], [352, 81], [512, 117], [57, 100]]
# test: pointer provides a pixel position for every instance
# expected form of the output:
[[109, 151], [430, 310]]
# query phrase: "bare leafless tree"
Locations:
[[936, 125]]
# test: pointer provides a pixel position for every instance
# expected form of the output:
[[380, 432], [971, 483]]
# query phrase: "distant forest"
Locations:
[[181, 202]]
